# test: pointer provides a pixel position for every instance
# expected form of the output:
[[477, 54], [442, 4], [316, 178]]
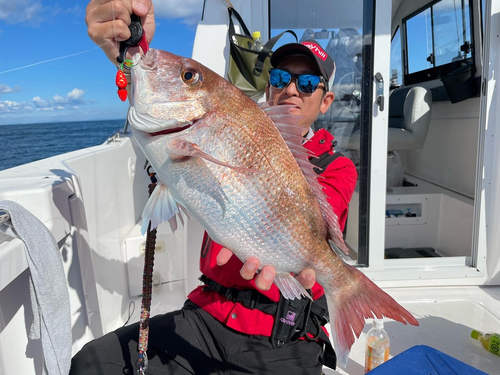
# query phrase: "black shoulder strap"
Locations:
[[232, 12], [267, 49], [324, 160]]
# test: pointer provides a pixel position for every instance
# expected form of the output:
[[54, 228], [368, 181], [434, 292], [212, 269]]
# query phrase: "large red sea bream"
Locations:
[[242, 172]]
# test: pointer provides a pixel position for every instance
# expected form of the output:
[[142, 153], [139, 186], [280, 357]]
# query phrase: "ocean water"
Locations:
[[22, 144]]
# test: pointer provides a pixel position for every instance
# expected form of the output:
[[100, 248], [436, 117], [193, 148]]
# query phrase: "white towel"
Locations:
[[48, 287]]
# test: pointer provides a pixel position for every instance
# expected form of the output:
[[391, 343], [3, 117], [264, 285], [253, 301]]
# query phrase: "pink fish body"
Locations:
[[242, 173]]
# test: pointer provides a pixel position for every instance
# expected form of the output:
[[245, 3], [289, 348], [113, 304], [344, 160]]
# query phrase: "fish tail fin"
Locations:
[[348, 308]]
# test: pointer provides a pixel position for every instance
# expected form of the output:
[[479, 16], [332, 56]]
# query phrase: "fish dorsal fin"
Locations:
[[291, 132], [287, 124], [161, 207]]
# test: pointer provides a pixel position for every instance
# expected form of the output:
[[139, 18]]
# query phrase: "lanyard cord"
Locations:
[[147, 284]]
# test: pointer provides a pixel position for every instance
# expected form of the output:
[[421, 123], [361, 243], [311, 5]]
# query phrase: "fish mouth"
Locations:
[[153, 127], [147, 61], [172, 130]]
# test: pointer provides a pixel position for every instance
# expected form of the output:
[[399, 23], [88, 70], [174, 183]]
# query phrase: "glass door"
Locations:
[[434, 103], [345, 30]]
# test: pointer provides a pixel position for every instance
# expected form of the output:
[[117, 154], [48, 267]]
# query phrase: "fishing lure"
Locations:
[[121, 83], [137, 38], [121, 79]]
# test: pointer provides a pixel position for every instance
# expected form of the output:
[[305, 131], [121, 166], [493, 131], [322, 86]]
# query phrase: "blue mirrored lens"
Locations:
[[307, 83], [279, 78]]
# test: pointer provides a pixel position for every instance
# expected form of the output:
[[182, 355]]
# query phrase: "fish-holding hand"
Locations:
[[108, 22], [265, 278]]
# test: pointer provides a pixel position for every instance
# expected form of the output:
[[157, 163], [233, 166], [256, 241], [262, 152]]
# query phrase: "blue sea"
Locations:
[[21, 144]]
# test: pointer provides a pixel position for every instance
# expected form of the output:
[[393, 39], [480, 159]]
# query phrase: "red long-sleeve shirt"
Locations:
[[338, 180]]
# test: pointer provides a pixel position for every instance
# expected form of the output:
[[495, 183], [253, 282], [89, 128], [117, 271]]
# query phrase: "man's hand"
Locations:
[[266, 276], [108, 20]]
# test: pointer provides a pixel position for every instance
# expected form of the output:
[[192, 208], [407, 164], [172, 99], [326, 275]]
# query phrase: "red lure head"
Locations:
[[121, 80]]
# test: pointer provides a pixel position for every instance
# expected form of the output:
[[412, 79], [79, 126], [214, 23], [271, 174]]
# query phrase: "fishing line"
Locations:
[[71, 55], [54, 59], [113, 24]]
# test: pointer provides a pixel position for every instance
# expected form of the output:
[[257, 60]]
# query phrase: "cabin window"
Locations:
[[438, 40], [345, 31], [396, 63]]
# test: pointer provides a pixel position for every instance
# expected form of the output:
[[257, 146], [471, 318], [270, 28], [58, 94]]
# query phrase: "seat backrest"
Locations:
[[396, 107], [409, 117]]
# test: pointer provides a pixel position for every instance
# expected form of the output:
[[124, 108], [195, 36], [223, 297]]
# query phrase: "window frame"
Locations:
[[435, 72], [400, 29]]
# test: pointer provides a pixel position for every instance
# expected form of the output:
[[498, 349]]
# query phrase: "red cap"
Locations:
[[309, 48]]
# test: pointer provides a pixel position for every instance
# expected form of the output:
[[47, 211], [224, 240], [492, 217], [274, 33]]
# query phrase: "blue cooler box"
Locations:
[[424, 360]]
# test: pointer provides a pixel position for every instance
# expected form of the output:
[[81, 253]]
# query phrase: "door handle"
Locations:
[[380, 91]]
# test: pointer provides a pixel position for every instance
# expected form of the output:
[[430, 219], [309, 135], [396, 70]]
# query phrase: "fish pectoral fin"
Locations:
[[161, 207], [185, 148], [290, 287]]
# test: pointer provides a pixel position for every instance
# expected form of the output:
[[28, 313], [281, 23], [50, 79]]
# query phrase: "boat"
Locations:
[[416, 109]]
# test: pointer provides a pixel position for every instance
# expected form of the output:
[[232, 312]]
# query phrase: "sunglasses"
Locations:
[[306, 83]]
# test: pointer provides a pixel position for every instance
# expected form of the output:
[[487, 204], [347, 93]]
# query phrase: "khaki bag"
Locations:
[[249, 69]]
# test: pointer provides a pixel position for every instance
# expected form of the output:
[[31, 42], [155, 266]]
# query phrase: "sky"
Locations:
[[77, 88]]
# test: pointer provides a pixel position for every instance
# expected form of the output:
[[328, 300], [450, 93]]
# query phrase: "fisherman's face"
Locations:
[[307, 105]]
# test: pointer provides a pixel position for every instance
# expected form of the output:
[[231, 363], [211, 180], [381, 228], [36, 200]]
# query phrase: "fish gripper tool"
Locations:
[[137, 38]]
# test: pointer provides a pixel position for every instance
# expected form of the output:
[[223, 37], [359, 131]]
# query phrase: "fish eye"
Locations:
[[190, 76]]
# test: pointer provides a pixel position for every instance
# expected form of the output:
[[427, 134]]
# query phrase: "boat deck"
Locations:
[[446, 316]]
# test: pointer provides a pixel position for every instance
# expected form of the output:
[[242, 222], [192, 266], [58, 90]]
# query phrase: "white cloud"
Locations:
[[39, 102], [33, 12], [5, 89], [22, 11], [10, 103], [7, 106], [76, 94], [70, 101], [75, 10], [188, 10]]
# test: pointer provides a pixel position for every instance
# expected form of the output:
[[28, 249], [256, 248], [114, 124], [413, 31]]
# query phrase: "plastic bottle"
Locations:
[[377, 346], [257, 42], [490, 341]]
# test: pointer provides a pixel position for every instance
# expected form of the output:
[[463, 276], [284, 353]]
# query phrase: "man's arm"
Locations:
[[108, 20], [339, 181]]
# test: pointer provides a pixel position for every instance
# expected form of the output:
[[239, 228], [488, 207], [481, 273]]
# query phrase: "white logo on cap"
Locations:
[[317, 50]]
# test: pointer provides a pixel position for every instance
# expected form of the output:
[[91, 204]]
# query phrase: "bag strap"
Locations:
[[266, 50], [232, 12], [323, 161]]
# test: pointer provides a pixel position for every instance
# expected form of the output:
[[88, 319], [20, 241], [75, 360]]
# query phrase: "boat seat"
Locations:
[[409, 117]]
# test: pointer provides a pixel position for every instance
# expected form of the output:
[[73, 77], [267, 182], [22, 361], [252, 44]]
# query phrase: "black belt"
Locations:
[[293, 318]]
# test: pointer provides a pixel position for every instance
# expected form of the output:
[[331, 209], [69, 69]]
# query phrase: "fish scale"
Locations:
[[222, 157]]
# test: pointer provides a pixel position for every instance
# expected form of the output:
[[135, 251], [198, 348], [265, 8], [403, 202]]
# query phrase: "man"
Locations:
[[234, 323]]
